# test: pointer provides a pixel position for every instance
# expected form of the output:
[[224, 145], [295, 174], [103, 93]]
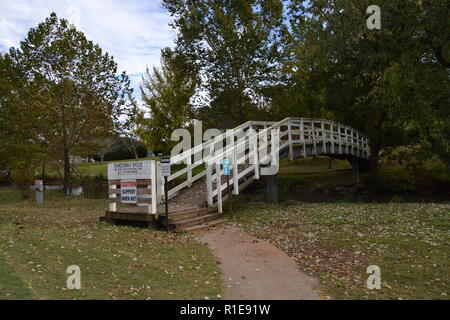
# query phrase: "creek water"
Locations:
[[89, 191]]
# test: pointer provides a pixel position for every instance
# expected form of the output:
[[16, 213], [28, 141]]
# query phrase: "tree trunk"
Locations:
[[374, 168], [135, 154], [66, 171]]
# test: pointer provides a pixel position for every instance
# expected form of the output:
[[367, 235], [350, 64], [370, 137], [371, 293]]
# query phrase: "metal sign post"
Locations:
[[226, 172], [165, 172]]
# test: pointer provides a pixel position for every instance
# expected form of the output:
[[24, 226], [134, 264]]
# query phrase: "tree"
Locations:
[[21, 150], [235, 48], [391, 83], [105, 146], [166, 95], [80, 95], [127, 129]]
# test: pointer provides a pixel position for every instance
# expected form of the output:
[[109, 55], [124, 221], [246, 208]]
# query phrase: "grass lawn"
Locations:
[[336, 242], [336, 237], [38, 243], [98, 171]]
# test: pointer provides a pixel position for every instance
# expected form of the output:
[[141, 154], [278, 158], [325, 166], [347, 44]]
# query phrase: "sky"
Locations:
[[133, 31]]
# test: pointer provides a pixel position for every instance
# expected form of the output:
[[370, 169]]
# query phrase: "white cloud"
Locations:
[[132, 31]]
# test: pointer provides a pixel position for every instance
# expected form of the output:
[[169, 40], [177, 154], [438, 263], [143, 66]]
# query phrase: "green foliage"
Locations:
[[235, 47], [392, 83], [166, 94], [67, 89], [120, 152]]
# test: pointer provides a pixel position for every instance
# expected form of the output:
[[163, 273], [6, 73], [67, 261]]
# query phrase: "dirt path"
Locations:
[[254, 269]]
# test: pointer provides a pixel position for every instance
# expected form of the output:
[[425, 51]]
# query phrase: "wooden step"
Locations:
[[188, 214], [204, 225], [183, 224]]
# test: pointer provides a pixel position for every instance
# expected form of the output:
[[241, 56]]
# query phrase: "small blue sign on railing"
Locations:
[[226, 167]]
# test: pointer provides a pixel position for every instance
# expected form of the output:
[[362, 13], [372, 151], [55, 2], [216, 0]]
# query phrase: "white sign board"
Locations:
[[165, 167], [129, 170], [128, 191]]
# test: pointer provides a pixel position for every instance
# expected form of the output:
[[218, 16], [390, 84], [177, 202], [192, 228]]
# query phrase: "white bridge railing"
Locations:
[[254, 147]]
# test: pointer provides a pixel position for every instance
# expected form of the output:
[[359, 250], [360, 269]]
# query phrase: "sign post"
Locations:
[[165, 172], [226, 172], [39, 189]]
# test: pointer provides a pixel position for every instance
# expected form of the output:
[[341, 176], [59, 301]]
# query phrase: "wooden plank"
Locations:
[[144, 191], [186, 183], [302, 138], [113, 204], [313, 125], [245, 172], [154, 191], [209, 185], [139, 191], [332, 138], [144, 200], [140, 182], [324, 137], [117, 199], [291, 147], [218, 186], [236, 173], [130, 216]]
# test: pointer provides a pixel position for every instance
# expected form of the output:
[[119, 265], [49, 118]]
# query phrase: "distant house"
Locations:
[[78, 159]]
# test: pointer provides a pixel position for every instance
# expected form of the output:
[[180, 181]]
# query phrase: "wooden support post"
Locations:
[[291, 149], [272, 189], [353, 141], [256, 155], [332, 138], [302, 137], [209, 185], [314, 137], [159, 184], [153, 207], [324, 137], [346, 141], [340, 139], [357, 144], [230, 198], [219, 188], [235, 173], [113, 205], [189, 173]]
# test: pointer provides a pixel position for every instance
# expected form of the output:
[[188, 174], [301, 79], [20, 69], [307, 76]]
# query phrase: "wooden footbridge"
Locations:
[[197, 192]]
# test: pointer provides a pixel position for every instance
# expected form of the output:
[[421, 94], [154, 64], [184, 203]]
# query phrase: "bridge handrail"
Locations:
[[308, 134]]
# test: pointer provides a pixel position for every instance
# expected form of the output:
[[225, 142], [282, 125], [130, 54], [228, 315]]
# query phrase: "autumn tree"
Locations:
[[235, 48], [166, 98], [22, 149], [80, 95]]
